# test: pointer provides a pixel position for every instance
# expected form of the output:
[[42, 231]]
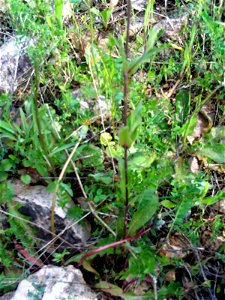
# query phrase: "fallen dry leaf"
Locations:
[[170, 276], [177, 246]]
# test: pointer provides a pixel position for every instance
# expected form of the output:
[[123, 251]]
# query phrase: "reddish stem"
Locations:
[[114, 244]]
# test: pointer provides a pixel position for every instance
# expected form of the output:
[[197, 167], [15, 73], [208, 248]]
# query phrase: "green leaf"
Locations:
[[182, 106], [23, 121], [148, 204], [6, 165], [168, 204], [213, 199], [59, 11], [67, 188], [140, 160], [101, 177], [62, 148], [7, 128], [134, 121], [26, 179], [215, 152], [124, 137], [95, 11], [120, 224], [105, 138], [138, 61], [90, 155]]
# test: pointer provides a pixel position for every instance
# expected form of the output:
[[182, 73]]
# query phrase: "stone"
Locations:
[[36, 203], [54, 283], [14, 63], [172, 26], [138, 5]]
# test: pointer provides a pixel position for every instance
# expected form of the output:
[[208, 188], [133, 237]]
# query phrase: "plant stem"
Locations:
[[124, 116]]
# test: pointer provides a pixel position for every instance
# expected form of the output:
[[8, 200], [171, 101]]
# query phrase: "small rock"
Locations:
[[14, 63], [138, 5], [172, 26], [54, 283], [36, 203]]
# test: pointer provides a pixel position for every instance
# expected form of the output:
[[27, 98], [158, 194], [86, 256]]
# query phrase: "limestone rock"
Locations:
[[14, 63], [36, 203], [54, 283], [138, 5]]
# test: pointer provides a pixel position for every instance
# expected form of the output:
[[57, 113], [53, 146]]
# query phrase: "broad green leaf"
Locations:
[[101, 177], [168, 204], [213, 199], [125, 137], [26, 179], [139, 160], [215, 152], [6, 165], [182, 106], [105, 138], [148, 204], [188, 127]]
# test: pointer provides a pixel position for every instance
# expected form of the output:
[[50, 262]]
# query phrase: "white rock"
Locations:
[[14, 63], [54, 283], [138, 5], [37, 202]]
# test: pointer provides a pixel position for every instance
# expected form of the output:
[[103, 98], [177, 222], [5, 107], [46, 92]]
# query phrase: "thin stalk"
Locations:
[[124, 116]]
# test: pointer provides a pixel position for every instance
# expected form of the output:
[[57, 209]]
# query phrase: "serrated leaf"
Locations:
[[148, 204], [215, 152]]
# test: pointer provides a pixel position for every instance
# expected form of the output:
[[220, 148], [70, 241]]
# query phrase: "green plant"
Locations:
[[131, 166]]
